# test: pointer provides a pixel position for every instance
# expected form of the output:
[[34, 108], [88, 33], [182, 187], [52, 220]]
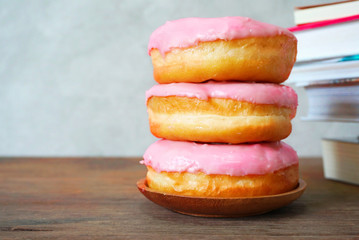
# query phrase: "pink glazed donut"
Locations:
[[221, 170], [221, 112], [228, 48]]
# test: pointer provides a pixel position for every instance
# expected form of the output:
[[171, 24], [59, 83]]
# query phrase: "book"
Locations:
[[330, 39], [336, 100], [341, 159], [322, 12], [328, 68], [307, 73]]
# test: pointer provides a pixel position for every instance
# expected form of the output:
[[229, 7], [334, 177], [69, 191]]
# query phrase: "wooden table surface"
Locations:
[[97, 198]]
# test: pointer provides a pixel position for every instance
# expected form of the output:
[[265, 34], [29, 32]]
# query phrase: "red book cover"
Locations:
[[323, 23]]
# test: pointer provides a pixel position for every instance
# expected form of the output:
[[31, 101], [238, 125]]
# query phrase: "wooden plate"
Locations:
[[220, 207]]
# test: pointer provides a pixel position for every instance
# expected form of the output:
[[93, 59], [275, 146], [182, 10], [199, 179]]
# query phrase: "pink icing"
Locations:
[[260, 93], [234, 160], [188, 32]]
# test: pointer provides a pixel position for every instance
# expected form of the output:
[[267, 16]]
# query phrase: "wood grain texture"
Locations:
[[97, 198]]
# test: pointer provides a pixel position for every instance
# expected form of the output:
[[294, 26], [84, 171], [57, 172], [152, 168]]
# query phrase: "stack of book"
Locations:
[[328, 68]]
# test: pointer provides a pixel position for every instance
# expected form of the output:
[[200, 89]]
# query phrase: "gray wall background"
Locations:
[[73, 74]]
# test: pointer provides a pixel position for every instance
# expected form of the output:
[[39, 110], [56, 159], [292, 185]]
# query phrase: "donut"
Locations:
[[221, 170], [228, 48], [221, 112]]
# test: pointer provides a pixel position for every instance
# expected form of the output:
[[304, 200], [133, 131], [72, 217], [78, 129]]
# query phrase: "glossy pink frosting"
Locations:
[[189, 32], [260, 93], [234, 160]]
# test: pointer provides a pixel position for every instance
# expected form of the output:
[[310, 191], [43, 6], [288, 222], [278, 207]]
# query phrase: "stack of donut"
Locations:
[[220, 108]]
